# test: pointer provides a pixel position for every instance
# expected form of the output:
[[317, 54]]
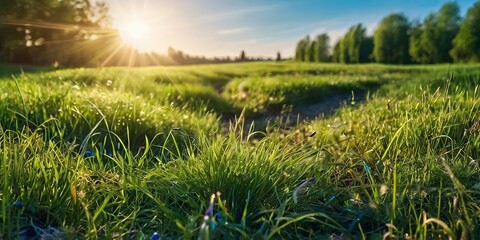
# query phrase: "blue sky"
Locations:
[[261, 28]]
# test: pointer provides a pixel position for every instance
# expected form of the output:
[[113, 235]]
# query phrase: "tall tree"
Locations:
[[416, 48], [423, 41], [243, 56], [310, 51], [391, 40], [431, 41], [358, 44], [336, 51], [307, 50], [448, 26], [466, 45], [300, 50], [355, 46], [344, 57], [304, 50], [321, 48], [279, 57], [46, 31], [366, 49]]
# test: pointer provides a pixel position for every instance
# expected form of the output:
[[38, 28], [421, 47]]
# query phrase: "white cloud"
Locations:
[[234, 31], [240, 12]]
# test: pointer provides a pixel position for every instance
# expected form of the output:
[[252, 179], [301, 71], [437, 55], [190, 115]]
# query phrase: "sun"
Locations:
[[134, 32]]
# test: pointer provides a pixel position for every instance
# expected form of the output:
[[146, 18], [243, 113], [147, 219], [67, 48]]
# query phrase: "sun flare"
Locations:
[[134, 32]]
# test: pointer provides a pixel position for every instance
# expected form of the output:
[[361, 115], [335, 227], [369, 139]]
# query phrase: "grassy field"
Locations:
[[125, 152]]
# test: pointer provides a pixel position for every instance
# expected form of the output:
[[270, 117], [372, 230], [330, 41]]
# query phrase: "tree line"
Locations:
[[76, 33], [442, 37], [50, 31]]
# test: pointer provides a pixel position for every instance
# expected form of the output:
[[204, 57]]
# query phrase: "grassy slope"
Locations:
[[132, 151]]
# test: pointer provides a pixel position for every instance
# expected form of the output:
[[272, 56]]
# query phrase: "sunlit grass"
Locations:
[[124, 153]]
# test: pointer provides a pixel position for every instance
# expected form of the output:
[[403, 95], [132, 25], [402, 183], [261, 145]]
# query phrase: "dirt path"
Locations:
[[304, 113], [325, 108]]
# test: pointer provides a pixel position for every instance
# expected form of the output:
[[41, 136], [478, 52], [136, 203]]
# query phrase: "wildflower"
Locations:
[[367, 168], [81, 194], [218, 216], [89, 154], [17, 204], [209, 210], [156, 236]]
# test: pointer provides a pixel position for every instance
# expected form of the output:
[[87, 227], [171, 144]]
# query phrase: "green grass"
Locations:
[[125, 152], [261, 94]]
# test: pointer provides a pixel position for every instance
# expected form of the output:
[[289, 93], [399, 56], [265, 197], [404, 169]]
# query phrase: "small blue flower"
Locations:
[[156, 236], [367, 168], [89, 154], [218, 216], [109, 153], [18, 204]]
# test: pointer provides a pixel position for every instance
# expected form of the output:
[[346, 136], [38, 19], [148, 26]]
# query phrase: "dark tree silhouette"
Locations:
[[44, 32]]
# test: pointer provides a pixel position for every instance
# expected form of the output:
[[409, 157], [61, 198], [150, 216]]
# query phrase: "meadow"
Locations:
[[123, 153]]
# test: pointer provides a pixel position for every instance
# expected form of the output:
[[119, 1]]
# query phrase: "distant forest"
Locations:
[[79, 33], [442, 37], [76, 33]]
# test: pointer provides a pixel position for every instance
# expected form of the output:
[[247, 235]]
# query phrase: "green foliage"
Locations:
[[300, 50], [466, 45], [448, 25], [316, 50], [391, 40], [75, 161], [272, 94], [431, 41], [40, 32], [410, 137], [344, 56], [307, 50], [321, 48], [336, 56], [355, 46]]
